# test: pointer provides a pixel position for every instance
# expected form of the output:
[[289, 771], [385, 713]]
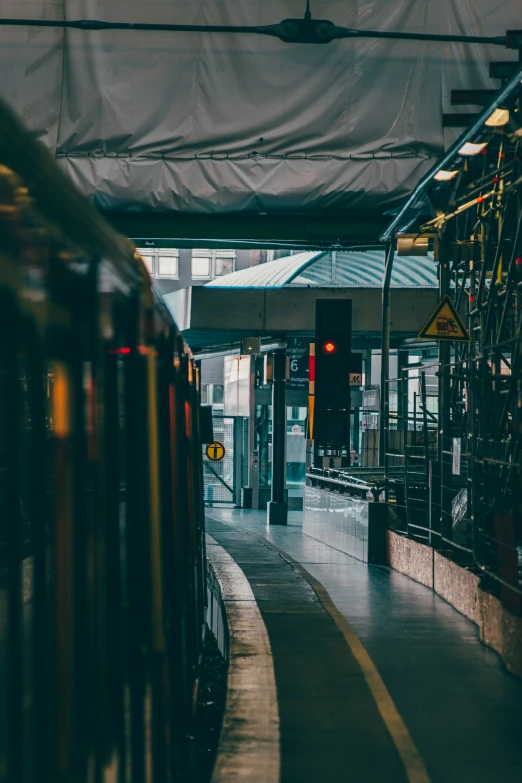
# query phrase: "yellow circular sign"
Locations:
[[215, 451]]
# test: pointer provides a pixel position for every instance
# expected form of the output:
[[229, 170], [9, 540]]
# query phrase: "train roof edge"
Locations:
[[58, 199]]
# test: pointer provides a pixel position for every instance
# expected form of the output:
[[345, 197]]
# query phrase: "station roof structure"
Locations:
[[204, 124], [344, 269], [279, 297]]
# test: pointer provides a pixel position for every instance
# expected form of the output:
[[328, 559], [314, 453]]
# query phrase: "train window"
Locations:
[[25, 382], [4, 451], [168, 265]]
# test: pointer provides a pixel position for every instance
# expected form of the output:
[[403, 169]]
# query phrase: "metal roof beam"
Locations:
[[306, 231]]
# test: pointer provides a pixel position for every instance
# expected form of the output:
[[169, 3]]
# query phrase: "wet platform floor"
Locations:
[[462, 710]]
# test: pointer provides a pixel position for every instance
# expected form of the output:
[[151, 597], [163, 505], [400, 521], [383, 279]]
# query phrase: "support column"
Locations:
[[253, 454], [238, 460], [385, 353], [277, 511], [444, 401]]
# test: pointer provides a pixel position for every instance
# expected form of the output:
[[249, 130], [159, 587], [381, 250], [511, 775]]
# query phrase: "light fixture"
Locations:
[[472, 149], [445, 176], [412, 245], [250, 346], [498, 118]]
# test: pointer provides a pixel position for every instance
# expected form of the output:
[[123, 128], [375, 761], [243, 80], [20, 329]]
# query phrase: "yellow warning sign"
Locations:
[[215, 451], [445, 324]]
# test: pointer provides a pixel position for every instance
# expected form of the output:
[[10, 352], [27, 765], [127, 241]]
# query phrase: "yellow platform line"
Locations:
[[416, 771]]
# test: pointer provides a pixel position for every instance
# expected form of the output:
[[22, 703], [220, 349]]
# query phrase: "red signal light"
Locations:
[[120, 351], [329, 347]]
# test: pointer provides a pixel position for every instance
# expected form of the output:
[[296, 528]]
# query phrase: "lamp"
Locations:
[[469, 148], [445, 176], [412, 245], [250, 346], [498, 118]]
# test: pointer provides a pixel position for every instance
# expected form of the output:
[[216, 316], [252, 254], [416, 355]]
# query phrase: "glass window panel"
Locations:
[[168, 266], [224, 266], [200, 266]]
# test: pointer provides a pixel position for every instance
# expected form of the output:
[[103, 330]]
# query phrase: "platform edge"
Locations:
[[249, 746]]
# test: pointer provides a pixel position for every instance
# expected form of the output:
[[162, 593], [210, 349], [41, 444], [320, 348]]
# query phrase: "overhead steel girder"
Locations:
[[310, 231]]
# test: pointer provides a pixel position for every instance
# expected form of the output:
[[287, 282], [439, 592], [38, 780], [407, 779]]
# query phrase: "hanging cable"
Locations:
[[305, 30]]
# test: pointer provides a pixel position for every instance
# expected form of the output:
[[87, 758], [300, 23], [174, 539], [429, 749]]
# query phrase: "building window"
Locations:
[[208, 264], [218, 394], [200, 266], [224, 266], [168, 265], [161, 262]]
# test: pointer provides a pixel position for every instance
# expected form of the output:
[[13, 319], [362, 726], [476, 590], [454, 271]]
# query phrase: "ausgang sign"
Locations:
[[299, 372]]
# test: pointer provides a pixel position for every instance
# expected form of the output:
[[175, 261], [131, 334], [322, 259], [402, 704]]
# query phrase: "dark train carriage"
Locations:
[[101, 520]]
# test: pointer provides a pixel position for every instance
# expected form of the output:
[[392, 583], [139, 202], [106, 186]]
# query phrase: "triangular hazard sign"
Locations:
[[444, 324]]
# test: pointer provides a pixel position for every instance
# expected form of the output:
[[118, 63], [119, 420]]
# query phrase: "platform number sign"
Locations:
[[299, 368], [215, 451]]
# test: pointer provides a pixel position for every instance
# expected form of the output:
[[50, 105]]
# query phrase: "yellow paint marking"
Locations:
[[416, 772]]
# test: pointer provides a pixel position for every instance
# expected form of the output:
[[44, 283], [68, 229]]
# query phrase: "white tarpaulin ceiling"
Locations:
[[220, 122]]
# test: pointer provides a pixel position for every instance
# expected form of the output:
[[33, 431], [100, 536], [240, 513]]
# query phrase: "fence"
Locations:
[[223, 480], [454, 475], [456, 492]]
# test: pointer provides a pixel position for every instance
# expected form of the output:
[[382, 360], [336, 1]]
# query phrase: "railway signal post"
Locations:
[[333, 342]]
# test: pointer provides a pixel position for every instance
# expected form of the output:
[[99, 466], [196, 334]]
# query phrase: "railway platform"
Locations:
[[377, 678]]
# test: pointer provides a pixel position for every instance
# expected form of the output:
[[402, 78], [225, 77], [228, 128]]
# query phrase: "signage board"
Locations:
[[215, 451], [299, 372], [445, 324]]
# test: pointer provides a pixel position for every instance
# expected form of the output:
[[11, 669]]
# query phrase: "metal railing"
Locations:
[[461, 486], [354, 481]]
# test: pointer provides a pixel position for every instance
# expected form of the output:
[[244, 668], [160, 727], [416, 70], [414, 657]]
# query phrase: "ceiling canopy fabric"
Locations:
[[215, 123]]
